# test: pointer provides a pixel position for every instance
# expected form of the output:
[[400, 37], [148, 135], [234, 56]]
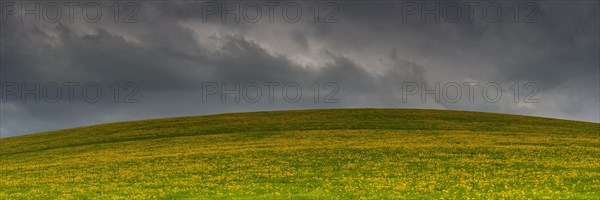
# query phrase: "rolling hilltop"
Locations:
[[310, 154]]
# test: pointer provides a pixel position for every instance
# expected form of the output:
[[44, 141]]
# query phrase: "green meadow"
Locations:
[[310, 154]]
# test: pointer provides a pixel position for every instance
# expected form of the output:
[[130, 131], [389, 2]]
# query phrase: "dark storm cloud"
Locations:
[[368, 54]]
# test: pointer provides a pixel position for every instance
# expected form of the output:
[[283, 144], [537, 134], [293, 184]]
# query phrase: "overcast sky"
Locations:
[[173, 59]]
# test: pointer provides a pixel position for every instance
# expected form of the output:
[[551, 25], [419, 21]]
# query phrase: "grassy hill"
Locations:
[[310, 154]]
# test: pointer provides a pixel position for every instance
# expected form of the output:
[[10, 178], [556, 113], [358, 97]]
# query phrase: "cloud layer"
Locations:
[[368, 58]]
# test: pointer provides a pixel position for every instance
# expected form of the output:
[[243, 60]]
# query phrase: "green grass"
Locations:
[[310, 154]]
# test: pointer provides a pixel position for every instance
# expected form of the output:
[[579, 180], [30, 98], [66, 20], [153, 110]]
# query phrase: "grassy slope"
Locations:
[[312, 153]]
